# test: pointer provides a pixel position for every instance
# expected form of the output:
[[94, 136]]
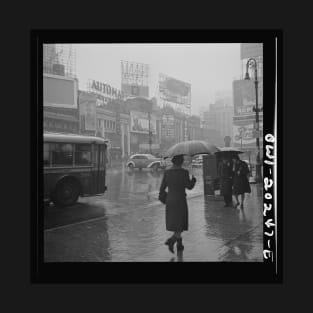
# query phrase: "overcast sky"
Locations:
[[209, 68]]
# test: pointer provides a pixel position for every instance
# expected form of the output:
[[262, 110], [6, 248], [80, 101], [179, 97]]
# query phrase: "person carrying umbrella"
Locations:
[[226, 180], [241, 183], [176, 179]]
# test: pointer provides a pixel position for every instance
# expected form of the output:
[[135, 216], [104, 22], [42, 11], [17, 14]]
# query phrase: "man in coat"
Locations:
[[241, 183], [226, 181]]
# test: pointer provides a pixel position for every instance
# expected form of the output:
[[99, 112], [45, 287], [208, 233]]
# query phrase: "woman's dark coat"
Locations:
[[241, 183], [176, 180], [226, 178]]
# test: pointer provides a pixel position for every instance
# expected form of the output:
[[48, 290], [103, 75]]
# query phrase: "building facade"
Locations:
[[60, 104], [60, 87]]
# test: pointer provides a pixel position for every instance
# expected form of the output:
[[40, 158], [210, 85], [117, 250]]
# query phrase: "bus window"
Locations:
[[62, 154], [103, 159], [82, 154], [95, 154], [105, 156], [46, 155]]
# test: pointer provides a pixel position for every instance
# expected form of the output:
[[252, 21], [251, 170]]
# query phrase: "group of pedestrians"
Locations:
[[234, 181]]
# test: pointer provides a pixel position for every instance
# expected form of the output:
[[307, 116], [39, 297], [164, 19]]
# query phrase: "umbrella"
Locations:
[[228, 151], [191, 148]]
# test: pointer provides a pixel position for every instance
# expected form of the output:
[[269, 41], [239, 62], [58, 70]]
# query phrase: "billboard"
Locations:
[[59, 91], [244, 133], [139, 122], [135, 79], [135, 91], [174, 91], [251, 50], [105, 92], [87, 111], [244, 96]]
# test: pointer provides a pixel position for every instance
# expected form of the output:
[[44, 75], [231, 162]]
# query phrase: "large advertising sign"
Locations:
[[251, 50], [174, 91], [244, 96], [135, 79], [87, 111], [245, 133], [139, 122], [135, 91], [105, 91], [59, 91]]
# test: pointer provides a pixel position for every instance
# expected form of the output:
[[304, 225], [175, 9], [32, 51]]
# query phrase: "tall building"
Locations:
[[60, 89], [219, 118]]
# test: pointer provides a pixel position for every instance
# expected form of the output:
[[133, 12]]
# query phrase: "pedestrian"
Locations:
[[176, 179], [241, 183], [226, 181]]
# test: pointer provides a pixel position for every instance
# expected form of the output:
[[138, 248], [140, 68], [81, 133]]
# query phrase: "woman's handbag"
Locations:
[[162, 196]]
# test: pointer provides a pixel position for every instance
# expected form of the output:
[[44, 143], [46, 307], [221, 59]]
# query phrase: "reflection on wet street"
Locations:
[[127, 223]]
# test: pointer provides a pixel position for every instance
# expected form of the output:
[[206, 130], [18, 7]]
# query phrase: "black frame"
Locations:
[[155, 272]]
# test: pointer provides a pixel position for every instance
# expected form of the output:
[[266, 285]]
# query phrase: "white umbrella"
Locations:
[[191, 148]]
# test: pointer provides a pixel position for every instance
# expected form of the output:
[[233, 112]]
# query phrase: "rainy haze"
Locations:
[[112, 115]]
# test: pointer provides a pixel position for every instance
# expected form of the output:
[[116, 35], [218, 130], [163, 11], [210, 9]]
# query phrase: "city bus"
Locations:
[[73, 166]]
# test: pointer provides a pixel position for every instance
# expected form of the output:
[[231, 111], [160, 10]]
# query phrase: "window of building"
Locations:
[[62, 154], [46, 155], [82, 154], [113, 124]]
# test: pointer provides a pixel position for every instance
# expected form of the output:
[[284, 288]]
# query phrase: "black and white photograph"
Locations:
[[156, 152]]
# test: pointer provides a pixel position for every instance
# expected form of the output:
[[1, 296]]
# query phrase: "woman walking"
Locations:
[[241, 183], [176, 179]]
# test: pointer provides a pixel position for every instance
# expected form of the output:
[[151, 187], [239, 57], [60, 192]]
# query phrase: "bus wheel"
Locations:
[[66, 193]]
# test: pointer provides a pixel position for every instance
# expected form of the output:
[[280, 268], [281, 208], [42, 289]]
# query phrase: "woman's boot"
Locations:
[[170, 243], [180, 246]]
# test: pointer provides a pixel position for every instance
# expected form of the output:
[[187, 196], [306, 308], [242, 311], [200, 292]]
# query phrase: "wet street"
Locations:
[[127, 223]]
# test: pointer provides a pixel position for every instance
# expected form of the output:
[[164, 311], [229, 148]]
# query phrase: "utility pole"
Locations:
[[150, 133], [253, 63]]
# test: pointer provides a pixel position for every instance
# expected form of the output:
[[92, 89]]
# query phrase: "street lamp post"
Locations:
[[150, 133], [252, 62]]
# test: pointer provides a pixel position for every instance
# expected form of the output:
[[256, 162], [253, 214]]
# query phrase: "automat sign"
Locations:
[[105, 90]]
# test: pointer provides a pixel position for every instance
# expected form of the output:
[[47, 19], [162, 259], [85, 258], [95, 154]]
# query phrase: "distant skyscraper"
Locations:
[[220, 118]]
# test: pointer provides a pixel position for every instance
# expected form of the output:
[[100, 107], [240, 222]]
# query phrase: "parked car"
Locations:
[[168, 162], [145, 161]]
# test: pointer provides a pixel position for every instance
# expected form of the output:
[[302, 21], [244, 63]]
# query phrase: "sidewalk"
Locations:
[[217, 233], [137, 234]]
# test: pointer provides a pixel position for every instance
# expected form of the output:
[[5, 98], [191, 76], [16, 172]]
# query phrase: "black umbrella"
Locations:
[[228, 152], [229, 149]]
